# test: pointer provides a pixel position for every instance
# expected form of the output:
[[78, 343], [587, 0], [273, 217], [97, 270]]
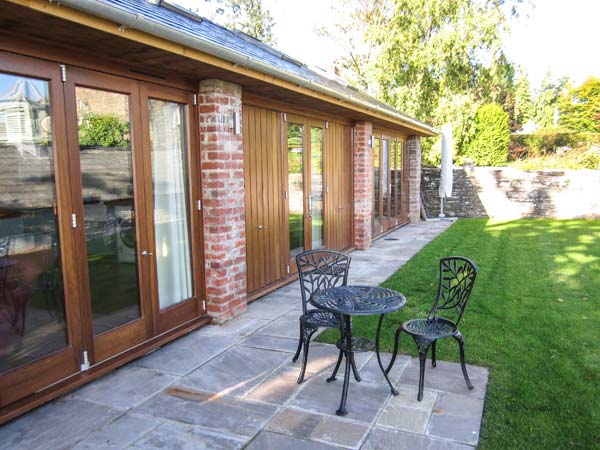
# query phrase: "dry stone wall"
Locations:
[[504, 192]]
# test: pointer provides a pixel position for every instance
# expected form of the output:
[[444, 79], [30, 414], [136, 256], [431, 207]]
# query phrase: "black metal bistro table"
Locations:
[[348, 301]]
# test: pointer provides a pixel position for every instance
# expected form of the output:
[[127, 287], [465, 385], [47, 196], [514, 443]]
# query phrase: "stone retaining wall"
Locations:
[[505, 192]]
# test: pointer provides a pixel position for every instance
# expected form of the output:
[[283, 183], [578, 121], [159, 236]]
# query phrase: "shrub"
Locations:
[[489, 146], [103, 130]]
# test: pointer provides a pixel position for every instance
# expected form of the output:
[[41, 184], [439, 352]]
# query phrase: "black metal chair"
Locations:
[[318, 270], [457, 276]]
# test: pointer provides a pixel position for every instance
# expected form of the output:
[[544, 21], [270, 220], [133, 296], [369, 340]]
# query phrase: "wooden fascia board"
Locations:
[[73, 15]]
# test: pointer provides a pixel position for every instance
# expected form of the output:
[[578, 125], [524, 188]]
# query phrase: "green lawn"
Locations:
[[534, 320]]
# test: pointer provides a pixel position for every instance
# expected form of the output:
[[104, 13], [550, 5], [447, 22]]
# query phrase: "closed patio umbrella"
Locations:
[[445, 189]]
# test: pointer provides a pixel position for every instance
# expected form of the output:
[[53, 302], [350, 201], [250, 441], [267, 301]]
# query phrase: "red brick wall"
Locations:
[[222, 169], [414, 178], [363, 184]]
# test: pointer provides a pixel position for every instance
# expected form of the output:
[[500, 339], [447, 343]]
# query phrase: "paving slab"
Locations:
[[365, 399], [56, 425], [382, 439], [457, 417], [227, 415], [270, 308], [267, 440], [287, 326], [119, 434], [185, 354], [170, 436], [319, 428], [280, 386], [271, 343], [240, 326], [372, 372], [235, 371], [126, 387], [447, 377], [405, 412]]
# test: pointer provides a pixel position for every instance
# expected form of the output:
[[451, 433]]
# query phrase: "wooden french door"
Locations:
[[305, 193], [338, 187], [172, 205], [390, 197], [40, 339], [99, 213], [264, 197]]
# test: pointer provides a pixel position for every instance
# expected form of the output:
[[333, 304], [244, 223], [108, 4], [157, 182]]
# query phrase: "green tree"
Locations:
[[430, 58], [523, 106], [248, 16], [546, 100], [579, 107], [489, 147]]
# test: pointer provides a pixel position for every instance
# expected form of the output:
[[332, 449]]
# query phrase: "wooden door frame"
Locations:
[[168, 318], [118, 339], [306, 123], [28, 378]]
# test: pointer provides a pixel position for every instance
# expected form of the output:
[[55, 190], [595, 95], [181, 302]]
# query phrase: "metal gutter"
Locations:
[[142, 23]]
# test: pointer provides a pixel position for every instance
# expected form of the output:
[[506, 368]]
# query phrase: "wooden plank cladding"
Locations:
[[268, 177], [264, 197]]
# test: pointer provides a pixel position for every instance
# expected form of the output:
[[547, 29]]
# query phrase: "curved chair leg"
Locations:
[[337, 366], [306, 342], [295, 358], [354, 369], [395, 352], [423, 346], [461, 346], [433, 360]]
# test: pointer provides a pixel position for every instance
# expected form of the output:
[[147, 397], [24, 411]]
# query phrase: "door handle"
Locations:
[[262, 227], [146, 253]]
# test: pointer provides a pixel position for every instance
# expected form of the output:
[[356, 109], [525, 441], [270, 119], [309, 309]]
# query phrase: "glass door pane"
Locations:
[[295, 145], [108, 200], [169, 149], [400, 202], [393, 175], [385, 158], [32, 302], [376, 187], [316, 187]]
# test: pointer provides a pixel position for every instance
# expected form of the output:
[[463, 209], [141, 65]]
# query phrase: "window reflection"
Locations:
[[32, 307], [296, 188], [316, 186]]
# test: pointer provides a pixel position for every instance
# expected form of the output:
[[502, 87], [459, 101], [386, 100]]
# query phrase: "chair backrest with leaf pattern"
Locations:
[[321, 269], [457, 277]]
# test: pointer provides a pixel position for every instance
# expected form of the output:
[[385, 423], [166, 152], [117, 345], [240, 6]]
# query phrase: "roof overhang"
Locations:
[[138, 28]]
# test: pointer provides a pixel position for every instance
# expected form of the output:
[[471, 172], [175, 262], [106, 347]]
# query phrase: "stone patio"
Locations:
[[234, 386]]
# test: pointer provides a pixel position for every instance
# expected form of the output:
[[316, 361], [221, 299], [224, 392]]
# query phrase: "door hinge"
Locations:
[[63, 73], [199, 205], [284, 116], [285, 194], [327, 189], [203, 305], [287, 268], [195, 99], [326, 124], [86, 362], [73, 220]]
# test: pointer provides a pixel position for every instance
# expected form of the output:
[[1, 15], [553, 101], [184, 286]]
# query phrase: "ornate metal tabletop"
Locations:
[[358, 300]]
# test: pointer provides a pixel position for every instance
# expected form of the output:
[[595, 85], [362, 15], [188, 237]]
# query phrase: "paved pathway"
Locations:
[[234, 386]]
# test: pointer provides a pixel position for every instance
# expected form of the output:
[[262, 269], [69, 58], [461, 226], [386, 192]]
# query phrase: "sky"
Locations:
[[556, 35]]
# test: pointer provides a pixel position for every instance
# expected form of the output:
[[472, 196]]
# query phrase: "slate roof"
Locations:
[[246, 46]]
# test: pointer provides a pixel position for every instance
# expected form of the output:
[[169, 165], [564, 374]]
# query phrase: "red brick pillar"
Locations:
[[414, 178], [363, 184], [222, 174]]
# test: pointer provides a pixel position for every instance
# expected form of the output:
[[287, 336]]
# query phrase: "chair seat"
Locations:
[[316, 318], [433, 328]]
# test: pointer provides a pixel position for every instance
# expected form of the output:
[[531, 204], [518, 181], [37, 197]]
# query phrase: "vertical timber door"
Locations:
[[172, 205], [105, 142], [338, 187], [263, 169], [40, 342], [304, 164]]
